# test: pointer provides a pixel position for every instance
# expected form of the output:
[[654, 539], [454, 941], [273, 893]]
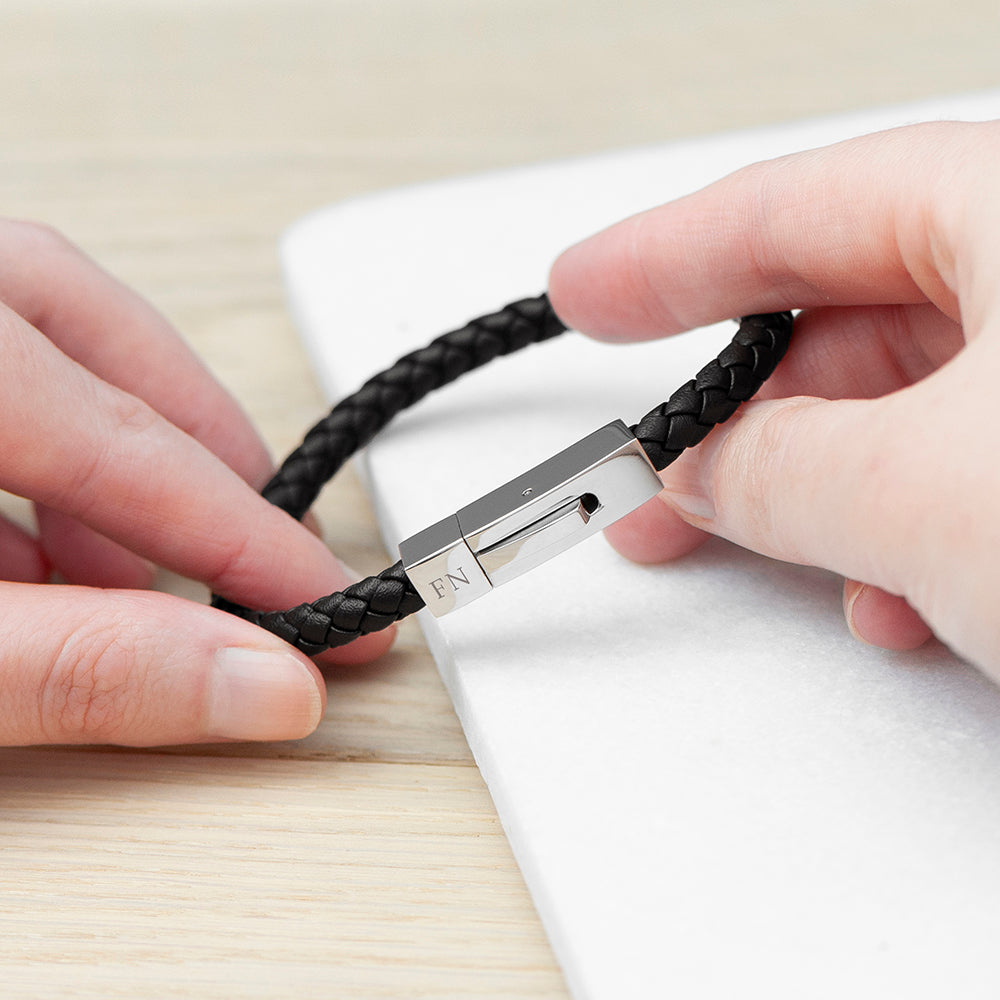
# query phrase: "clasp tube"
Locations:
[[527, 521]]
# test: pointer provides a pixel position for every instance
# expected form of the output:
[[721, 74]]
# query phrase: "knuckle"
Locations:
[[129, 415], [768, 204], [233, 565], [89, 690], [125, 424]]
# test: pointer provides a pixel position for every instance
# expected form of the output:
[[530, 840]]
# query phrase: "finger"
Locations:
[[144, 669], [21, 557], [839, 352], [863, 352], [882, 619], [784, 478], [840, 484], [107, 459], [80, 555], [868, 221], [654, 533], [105, 326], [113, 332]]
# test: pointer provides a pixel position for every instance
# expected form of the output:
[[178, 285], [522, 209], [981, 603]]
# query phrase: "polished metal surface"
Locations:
[[537, 515], [442, 568]]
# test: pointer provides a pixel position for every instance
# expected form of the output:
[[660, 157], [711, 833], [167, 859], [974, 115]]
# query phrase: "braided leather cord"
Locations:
[[355, 420], [713, 395], [378, 601]]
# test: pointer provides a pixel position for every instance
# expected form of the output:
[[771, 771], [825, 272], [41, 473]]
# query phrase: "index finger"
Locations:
[[112, 331], [85, 447], [863, 222]]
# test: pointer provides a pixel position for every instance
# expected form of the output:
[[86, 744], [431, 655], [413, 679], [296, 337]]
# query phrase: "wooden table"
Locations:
[[174, 140]]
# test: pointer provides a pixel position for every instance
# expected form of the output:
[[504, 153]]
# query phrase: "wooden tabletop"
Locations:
[[174, 140]]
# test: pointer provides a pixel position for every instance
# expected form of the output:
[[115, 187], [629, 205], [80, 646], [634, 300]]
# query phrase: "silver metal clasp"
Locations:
[[534, 517]]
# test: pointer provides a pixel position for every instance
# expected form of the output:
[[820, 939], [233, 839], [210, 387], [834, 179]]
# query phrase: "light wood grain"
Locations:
[[174, 140], [195, 877]]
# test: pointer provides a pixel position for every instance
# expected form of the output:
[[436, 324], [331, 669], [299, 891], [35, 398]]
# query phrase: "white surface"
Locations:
[[738, 800]]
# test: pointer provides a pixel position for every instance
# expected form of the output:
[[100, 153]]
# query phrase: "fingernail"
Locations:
[[686, 484], [694, 504], [852, 591], [261, 694]]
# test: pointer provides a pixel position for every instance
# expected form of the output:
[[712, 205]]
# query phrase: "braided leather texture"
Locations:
[[377, 601], [355, 420], [713, 395], [370, 605]]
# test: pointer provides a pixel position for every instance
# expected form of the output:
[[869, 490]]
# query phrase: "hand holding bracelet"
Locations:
[[581, 490]]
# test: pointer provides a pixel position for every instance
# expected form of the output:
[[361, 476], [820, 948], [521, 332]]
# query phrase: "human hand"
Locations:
[[871, 450], [135, 456]]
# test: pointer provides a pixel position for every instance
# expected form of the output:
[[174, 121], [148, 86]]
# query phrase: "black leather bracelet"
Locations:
[[583, 489]]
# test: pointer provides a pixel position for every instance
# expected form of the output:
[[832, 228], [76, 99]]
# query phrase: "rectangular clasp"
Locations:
[[527, 521]]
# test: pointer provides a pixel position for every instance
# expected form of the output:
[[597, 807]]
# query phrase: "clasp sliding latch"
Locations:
[[534, 517]]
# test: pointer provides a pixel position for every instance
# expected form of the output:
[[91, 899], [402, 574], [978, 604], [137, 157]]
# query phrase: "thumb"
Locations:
[[829, 483], [899, 492], [144, 669]]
